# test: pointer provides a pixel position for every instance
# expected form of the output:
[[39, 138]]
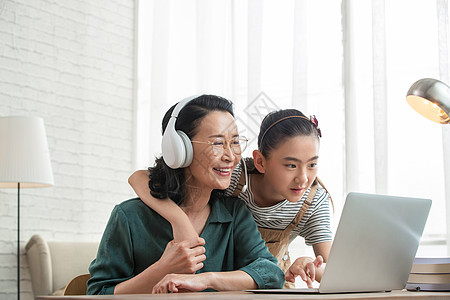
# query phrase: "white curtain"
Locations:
[[443, 32], [350, 63]]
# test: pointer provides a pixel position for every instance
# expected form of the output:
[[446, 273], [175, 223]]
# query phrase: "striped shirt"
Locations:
[[314, 227]]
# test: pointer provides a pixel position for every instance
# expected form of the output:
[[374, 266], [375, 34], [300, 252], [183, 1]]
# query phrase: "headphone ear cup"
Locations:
[[176, 146], [173, 147], [188, 151]]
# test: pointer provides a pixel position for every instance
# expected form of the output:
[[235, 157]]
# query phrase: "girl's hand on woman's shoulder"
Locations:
[[307, 268]]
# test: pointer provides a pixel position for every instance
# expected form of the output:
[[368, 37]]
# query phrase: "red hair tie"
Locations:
[[313, 120]]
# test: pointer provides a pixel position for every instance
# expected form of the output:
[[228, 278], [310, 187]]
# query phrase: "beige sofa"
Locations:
[[54, 264]]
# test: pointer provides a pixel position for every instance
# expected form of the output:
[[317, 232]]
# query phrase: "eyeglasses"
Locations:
[[218, 145]]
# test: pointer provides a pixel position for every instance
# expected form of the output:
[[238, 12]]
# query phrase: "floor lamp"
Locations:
[[24, 161]]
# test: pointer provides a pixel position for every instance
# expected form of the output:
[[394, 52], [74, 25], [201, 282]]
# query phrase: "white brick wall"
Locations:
[[70, 62]]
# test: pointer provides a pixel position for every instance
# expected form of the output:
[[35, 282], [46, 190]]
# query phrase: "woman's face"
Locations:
[[210, 168], [292, 167]]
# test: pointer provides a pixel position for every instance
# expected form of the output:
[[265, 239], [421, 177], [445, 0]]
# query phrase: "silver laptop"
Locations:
[[374, 246]]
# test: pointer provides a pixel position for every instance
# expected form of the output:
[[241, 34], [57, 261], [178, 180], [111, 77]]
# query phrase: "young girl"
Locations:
[[137, 253], [281, 190]]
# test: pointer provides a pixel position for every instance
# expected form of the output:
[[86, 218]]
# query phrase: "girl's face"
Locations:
[[292, 167], [211, 166]]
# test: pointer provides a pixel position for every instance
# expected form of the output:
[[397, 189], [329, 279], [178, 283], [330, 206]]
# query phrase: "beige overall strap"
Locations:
[[239, 185], [305, 206], [324, 187]]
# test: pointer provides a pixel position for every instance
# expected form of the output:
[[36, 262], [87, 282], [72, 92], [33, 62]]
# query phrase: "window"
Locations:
[[350, 63]]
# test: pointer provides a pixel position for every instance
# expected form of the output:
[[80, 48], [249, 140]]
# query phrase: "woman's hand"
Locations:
[[178, 283], [183, 257], [307, 268]]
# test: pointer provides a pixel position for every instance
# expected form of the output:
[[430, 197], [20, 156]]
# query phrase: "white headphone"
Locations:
[[176, 146], [244, 188]]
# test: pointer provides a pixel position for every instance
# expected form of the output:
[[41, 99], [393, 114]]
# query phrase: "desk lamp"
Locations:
[[430, 98], [24, 161]]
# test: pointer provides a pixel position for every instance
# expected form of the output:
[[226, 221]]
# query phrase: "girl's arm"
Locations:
[[181, 225], [322, 249]]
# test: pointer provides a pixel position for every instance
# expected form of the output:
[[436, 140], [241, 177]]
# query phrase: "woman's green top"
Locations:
[[136, 237]]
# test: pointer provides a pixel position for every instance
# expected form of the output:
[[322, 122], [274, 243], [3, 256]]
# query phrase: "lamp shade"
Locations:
[[24, 155], [430, 98]]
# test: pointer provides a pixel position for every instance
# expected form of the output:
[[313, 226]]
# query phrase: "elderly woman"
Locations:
[[137, 253]]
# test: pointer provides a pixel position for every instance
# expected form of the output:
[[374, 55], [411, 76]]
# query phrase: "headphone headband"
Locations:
[[182, 104]]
